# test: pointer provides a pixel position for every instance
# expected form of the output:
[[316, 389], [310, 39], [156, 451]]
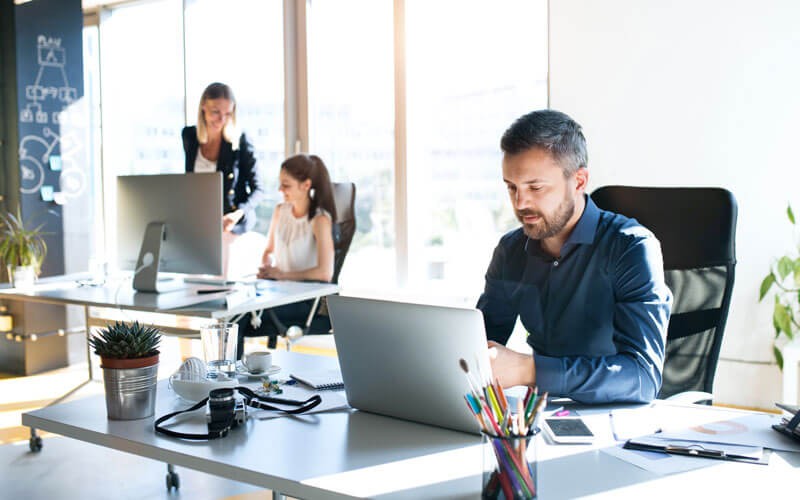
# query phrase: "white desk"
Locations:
[[118, 295], [354, 454], [187, 301]]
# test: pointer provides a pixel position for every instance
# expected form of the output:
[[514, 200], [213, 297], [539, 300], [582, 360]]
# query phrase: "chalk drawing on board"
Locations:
[[34, 153], [52, 59]]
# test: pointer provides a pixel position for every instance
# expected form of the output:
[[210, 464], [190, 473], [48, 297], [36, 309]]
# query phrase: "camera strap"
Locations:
[[251, 399]]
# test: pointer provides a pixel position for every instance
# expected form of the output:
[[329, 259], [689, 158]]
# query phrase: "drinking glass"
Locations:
[[219, 348]]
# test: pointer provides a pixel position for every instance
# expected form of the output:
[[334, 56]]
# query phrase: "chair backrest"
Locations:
[[697, 231], [344, 195]]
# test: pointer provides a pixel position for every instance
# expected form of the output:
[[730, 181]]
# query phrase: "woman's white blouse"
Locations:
[[295, 244], [203, 165]]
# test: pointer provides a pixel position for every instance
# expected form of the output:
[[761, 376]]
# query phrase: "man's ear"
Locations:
[[581, 179]]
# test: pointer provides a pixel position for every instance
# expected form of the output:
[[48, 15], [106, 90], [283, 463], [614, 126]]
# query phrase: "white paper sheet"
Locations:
[[750, 430]]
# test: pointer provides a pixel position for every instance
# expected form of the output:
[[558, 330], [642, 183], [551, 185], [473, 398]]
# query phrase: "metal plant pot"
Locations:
[[130, 387]]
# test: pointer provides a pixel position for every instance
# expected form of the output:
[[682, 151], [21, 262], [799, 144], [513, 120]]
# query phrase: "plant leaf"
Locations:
[[789, 213], [766, 285], [797, 273], [785, 266], [778, 357], [782, 319]]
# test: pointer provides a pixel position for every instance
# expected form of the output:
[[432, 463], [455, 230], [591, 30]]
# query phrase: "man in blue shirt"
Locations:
[[587, 284]]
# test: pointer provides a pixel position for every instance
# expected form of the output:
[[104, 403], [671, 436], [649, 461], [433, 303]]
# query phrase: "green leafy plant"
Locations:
[[784, 275], [126, 341], [19, 245]]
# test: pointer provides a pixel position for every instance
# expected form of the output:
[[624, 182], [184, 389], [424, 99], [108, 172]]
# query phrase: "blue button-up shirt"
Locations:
[[596, 316]]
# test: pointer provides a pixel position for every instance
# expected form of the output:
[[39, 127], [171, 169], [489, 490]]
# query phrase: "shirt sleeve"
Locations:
[[641, 316], [499, 315], [249, 174]]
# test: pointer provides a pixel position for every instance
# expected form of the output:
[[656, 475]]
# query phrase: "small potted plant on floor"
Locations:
[[129, 359], [22, 250]]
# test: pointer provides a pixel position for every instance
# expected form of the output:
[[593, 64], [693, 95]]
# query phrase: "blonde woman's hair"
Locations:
[[231, 132]]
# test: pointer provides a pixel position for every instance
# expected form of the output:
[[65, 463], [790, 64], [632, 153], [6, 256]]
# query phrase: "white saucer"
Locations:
[[242, 370]]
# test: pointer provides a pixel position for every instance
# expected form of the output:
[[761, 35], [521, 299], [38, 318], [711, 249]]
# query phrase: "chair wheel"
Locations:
[[173, 481], [35, 444]]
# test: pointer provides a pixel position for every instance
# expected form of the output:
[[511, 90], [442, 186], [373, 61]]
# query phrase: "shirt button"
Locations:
[[231, 192], [230, 175], [555, 263]]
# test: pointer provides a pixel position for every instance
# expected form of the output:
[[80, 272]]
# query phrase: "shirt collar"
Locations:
[[586, 227], [582, 234]]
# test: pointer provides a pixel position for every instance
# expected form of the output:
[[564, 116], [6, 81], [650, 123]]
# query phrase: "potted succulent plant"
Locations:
[[784, 275], [22, 250], [129, 359]]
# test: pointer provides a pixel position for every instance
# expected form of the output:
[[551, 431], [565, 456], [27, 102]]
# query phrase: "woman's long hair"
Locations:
[[231, 132], [303, 166]]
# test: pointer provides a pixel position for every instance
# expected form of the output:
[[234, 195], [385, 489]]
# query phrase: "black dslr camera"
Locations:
[[224, 412]]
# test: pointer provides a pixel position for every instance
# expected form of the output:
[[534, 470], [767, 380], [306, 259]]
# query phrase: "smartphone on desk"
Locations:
[[567, 430]]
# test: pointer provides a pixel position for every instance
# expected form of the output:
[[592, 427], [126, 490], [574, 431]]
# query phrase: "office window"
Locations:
[[91, 247], [351, 122], [142, 84], [463, 91], [240, 43]]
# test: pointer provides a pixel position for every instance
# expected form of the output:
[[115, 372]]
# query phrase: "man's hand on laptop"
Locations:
[[511, 367]]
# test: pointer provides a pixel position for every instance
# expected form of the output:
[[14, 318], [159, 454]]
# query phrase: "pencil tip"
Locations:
[[464, 366]]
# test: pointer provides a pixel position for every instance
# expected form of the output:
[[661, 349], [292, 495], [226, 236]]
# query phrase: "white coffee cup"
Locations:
[[257, 362]]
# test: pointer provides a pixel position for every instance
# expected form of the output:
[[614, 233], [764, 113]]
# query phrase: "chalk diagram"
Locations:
[[34, 154], [50, 56]]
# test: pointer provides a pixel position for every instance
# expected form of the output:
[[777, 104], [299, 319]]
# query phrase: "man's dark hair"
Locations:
[[552, 131]]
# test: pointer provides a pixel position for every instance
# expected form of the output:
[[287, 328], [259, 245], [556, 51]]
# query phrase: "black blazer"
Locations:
[[242, 187]]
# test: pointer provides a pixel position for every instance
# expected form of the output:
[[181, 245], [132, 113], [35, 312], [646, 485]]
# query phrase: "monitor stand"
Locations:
[[145, 277]]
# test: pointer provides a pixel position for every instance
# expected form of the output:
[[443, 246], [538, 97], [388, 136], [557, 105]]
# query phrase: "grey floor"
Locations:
[[70, 469]]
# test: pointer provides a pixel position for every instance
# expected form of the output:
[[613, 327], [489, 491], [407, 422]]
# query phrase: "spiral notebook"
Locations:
[[321, 380]]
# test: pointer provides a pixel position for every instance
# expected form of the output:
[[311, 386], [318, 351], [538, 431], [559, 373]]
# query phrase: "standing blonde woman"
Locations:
[[216, 145]]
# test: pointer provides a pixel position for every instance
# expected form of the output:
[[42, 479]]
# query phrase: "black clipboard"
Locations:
[[791, 427], [698, 449]]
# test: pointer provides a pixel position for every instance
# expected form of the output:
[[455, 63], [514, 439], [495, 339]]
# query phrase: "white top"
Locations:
[[295, 244], [202, 165]]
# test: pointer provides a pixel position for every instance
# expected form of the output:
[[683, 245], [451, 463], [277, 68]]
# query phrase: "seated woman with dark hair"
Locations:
[[299, 242]]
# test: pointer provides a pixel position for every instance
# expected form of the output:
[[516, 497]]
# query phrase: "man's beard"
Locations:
[[548, 225]]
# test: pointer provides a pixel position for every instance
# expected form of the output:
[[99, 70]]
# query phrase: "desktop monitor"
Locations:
[[170, 223]]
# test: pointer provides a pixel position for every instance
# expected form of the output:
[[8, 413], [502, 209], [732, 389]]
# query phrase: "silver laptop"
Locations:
[[402, 360]]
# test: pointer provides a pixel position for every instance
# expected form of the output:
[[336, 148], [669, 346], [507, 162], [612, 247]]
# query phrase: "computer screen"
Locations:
[[170, 223]]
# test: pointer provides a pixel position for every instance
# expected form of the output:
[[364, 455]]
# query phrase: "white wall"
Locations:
[[695, 93]]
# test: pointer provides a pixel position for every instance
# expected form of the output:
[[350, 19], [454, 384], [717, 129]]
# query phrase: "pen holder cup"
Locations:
[[509, 467]]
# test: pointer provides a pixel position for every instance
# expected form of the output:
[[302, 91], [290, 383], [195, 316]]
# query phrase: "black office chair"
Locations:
[[344, 194], [697, 231]]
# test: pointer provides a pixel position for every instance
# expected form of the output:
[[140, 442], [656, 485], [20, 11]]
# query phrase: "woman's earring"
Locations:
[[311, 193]]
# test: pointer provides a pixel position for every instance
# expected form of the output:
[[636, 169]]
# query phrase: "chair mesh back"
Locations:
[[344, 195], [697, 229]]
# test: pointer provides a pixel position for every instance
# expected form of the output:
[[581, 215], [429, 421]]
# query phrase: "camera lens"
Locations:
[[221, 404], [221, 396]]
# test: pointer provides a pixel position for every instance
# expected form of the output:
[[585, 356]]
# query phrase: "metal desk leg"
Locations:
[[88, 336], [35, 442], [276, 495]]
